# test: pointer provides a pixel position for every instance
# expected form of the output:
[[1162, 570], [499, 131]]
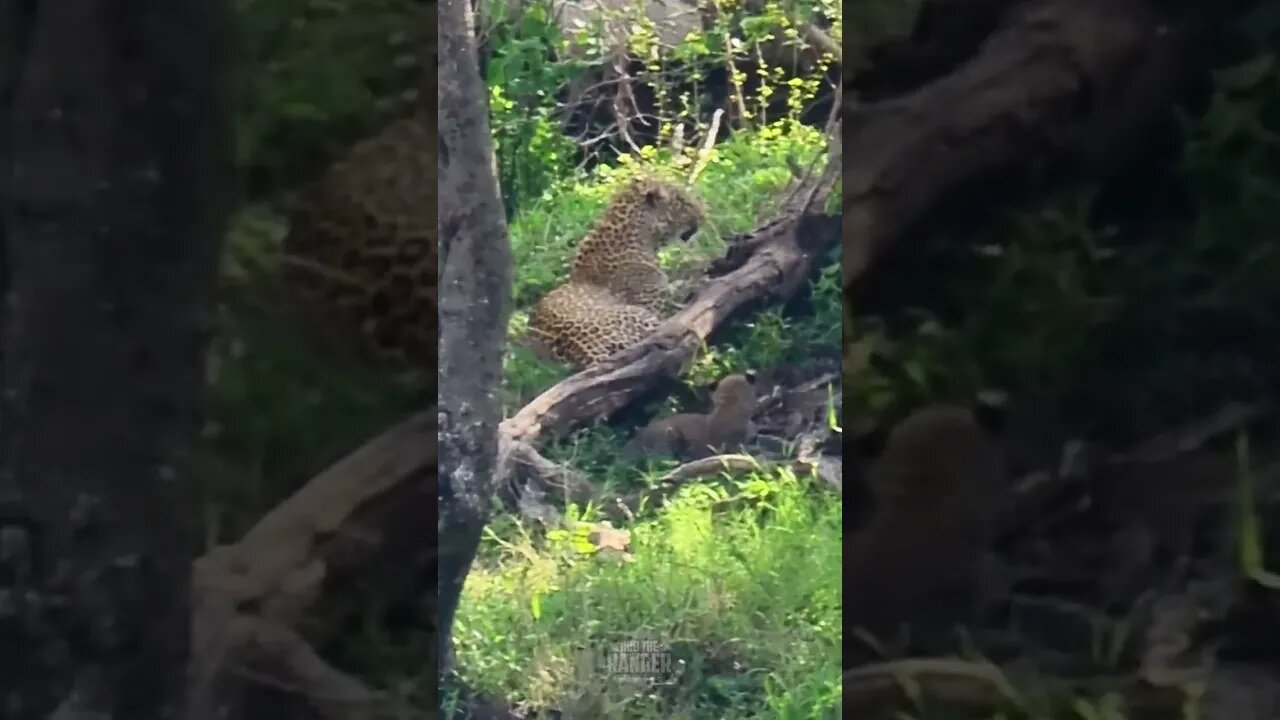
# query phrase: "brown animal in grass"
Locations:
[[919, 563], [690, 436]]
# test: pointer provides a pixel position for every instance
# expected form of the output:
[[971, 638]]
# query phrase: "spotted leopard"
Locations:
[[362, 243], [616, 294]]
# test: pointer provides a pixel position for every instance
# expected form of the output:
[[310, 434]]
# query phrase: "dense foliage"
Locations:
[[744, 571], [715, 568], [1156, 290]]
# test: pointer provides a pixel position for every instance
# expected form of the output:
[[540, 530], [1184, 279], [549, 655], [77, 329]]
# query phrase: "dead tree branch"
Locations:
[[1060, 82], [350, 539], [783, 254]]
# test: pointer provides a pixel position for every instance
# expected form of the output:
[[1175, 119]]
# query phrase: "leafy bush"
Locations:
[[740, 178], [531, 148], [716, 567], [315, 75]]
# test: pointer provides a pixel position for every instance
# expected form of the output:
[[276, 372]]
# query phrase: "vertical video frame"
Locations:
[[640, 487]]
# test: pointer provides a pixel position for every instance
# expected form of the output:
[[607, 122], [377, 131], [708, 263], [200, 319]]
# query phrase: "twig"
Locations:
[[299, 669], [951, 680], [704, 154], [1230, 418], [710, 466], [820, 40], [870, 691]]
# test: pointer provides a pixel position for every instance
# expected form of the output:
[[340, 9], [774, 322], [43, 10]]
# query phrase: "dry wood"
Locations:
[[351, 538], [1060, 83], [1023, 100], [1036, 492], [771, 262], [275, 579], [272, 656], [783, 254], [349, 534], [540, 478]]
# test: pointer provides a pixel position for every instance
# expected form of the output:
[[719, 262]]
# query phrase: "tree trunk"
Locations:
[[116, 191], [475, 300]]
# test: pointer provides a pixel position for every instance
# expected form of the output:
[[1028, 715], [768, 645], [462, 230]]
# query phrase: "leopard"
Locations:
[[616, 293], [937, 488], [693, 436], [361, 245]]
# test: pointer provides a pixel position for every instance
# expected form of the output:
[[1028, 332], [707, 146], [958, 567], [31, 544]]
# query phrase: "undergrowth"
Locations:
[[742, 177], [1156, 290], [314, 76], [740, 579], [739, 576]]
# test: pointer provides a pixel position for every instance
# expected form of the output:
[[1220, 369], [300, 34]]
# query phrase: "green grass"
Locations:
[[742, 580], [741, 177], [745, 586], [763, 643], [314, 76], [741, 576], [282, 412]]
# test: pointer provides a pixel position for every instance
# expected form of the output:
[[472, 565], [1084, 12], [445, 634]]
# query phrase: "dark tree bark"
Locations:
[[13, 18], [116, 188], [475, 300]]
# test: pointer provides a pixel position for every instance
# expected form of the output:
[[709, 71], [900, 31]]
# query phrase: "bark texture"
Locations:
[[116, 186], [770, 263], [475, 303]]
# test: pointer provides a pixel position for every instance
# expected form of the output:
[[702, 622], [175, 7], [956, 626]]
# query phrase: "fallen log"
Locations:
[[779, 259], [354, 539], [1060, 83], [771, 262]]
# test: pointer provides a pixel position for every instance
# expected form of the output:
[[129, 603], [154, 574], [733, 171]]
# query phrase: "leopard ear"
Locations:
[[655, 192]]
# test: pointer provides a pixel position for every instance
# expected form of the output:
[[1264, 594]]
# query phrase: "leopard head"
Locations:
[[657, 211]]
